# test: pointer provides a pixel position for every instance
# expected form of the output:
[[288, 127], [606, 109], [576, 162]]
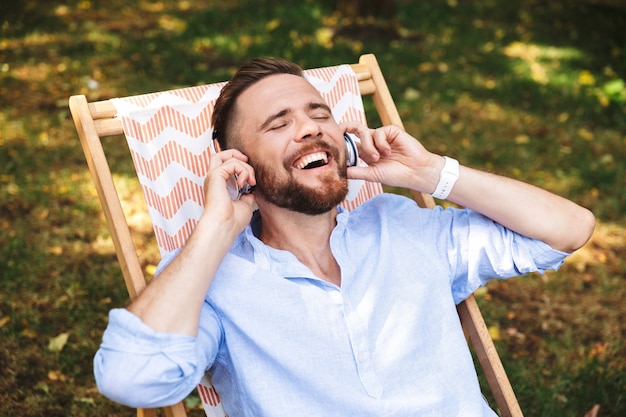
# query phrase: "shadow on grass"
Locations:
[[467, 77]]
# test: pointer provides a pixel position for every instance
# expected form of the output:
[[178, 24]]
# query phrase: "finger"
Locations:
[[221, 157], [381, 141], [365, 144], [241, 173], [249, 199], [231, 162], [245, 174]]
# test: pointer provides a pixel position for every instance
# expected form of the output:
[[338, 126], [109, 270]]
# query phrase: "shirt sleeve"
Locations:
[[139, 367], [467, 246], [486, 250]]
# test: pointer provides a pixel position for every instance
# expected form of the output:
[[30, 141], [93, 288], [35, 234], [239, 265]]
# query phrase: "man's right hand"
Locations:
[[218, 204]]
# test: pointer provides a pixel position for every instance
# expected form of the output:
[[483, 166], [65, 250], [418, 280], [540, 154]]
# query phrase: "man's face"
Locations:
[[293, 143]]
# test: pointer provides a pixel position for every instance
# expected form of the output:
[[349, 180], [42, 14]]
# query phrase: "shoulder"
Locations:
[[394, 208], [387, 202], [402, 215], [387, 212]]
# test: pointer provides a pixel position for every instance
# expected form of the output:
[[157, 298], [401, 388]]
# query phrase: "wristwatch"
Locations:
[[447, 178]]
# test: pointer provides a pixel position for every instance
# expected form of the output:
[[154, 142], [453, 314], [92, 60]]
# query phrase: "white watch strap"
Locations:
[[447, 179]]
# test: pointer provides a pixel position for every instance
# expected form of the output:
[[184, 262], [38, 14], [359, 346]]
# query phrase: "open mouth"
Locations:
[[313, 160]]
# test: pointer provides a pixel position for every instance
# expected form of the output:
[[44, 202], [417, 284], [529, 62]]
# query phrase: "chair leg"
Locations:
[[478, 333], [176, 410]]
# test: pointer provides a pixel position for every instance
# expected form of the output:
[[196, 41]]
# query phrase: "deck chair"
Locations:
[[171, 173]]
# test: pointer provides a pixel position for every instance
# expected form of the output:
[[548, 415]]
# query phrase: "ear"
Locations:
[[216, 143]]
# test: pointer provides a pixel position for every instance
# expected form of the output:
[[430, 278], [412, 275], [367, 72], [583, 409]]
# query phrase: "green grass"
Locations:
[[532, 89]]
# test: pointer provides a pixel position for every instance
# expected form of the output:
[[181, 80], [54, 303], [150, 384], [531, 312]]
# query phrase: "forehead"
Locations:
[[275, 93]]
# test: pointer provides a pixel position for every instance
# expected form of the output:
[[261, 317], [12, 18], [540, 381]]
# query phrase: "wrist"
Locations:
[[215, 231], [447, 178]]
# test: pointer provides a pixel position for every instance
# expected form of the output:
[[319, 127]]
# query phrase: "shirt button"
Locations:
[[362, 357]]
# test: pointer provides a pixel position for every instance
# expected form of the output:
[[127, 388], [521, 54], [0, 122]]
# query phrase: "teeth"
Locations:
[[314, 157]]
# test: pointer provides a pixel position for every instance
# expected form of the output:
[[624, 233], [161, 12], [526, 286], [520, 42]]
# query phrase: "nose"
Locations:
[[308, 129]]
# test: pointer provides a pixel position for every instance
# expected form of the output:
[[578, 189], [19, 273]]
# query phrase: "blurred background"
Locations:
[[530, 89]]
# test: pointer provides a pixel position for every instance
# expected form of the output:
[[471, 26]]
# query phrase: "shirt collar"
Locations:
[[282, 262]]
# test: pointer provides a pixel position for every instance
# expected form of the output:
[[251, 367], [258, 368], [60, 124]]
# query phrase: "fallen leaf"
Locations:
[[58, 343], [86, 400], [494, 332], [55, 250], [31, 334], [56, 375], [43, 386]]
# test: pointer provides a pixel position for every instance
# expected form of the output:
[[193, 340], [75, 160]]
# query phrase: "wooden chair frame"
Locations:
[[97, 120]]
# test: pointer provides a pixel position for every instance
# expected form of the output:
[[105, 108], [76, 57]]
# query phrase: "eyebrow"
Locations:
[[284, 112], [273, 117]]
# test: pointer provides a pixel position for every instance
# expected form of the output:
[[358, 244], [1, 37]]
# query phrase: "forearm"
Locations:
[[171, 303], [524, 208], [396, 159]]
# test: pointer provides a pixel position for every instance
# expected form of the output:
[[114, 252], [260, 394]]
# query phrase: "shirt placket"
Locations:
[[357, 330]]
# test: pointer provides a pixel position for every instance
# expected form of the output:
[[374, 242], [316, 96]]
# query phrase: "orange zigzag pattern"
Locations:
[[191, 94], [187, 190], [195, 127], [367, 191], [184, 190], [166, 117], [152, 166], [208, 395], [171, 241], [172, 152]]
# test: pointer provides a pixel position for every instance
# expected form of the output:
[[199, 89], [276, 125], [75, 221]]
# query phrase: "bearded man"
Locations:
[[302, 309]]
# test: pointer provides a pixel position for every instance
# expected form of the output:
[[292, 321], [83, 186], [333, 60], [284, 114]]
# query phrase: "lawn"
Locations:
[[531, 89]]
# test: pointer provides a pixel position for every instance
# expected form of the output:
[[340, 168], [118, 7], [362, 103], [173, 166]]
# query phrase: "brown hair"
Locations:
[[245, 77]]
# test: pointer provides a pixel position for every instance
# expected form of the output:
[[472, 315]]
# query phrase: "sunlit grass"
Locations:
[[533, 90]]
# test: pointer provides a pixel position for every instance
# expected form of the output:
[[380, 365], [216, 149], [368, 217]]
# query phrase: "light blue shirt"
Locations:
[[281, 342]]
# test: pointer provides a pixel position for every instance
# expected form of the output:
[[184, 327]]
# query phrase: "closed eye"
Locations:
[[279, 126]]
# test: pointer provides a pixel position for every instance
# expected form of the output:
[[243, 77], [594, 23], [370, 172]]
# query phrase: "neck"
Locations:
[[306, 236]]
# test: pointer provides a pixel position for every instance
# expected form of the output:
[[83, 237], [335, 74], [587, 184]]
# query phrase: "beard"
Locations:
[[288, 193]]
